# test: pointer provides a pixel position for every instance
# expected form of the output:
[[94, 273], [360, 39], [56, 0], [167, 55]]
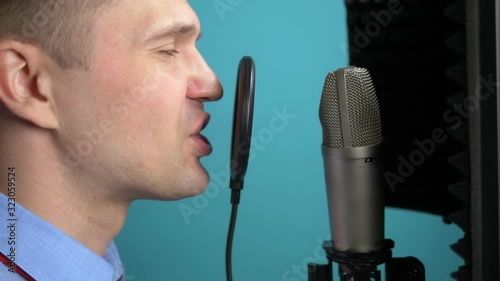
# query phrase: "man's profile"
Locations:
[[101, 104]]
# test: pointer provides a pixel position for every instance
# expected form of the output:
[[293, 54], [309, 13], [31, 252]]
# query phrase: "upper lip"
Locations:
[[202, 123]]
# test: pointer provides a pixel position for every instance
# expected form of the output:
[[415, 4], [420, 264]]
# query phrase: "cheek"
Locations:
[[111, 75], [152, 106], [162, 113], [143, 103], [163, 88], [124, 87]]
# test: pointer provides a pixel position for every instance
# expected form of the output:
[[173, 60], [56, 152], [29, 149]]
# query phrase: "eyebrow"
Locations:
[[169, 31]]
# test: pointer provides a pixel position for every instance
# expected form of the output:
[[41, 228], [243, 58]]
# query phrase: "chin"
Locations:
[[173, 190], [190, 181], [199, 185], [198, 181], [193, 184]]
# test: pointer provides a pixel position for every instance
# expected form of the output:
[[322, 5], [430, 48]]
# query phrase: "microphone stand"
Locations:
[[363, 266]]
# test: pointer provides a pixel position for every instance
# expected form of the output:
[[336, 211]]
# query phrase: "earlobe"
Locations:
[[25, 86]]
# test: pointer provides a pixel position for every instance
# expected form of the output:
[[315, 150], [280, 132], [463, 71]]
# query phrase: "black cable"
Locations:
[[229, 245]]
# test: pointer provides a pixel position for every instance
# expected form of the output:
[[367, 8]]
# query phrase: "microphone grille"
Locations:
[[329, 113], [349, 109]]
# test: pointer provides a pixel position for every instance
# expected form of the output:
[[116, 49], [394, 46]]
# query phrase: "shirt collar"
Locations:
[[47, 253]]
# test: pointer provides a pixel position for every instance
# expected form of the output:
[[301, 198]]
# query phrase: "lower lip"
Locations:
[[204, 144]]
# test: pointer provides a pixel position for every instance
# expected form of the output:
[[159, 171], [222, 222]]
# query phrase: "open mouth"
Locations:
[[205, 140]]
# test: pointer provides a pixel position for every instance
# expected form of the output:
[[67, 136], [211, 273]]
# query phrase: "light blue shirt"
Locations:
[[48, 254]]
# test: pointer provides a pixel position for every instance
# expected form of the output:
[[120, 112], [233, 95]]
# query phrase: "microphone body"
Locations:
[[352, 136], [355, 198]]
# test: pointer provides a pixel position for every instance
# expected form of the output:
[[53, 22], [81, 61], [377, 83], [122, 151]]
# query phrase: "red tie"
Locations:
[[5, 260]]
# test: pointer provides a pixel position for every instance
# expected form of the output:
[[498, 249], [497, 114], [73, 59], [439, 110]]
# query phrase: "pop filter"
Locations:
[[242, 122], [240, 148]]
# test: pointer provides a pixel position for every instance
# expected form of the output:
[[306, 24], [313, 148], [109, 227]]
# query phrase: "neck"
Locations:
[[88, 219], [51, 191]]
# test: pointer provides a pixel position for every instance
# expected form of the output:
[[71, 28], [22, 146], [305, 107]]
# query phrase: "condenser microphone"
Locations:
[[352, 137]]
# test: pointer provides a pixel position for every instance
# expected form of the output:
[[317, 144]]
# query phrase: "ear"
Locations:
[[25, 84]]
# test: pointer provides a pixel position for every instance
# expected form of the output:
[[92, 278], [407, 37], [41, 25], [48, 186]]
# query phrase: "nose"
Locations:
[[204, 84]]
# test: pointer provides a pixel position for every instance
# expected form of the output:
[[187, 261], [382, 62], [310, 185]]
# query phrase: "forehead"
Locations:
[[131, 19]]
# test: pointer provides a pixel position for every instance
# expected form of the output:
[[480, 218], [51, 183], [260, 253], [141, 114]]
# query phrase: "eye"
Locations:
[[171, 53]]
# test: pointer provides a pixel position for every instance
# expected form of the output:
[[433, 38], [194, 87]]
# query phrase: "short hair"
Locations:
[[61, 28]]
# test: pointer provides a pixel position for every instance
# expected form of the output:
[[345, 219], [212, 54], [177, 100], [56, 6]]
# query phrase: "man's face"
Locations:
[[131, 123]]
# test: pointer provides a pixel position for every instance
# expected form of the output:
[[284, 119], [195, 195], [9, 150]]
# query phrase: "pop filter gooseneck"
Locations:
[[240, 149]]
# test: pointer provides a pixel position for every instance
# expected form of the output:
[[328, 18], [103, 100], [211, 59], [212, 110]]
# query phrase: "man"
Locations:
[[101, 103]]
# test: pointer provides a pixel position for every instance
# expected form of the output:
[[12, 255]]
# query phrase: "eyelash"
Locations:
[[171, 53]]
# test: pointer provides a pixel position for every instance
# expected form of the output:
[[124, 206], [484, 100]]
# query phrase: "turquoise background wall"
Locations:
[[283, 213]]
